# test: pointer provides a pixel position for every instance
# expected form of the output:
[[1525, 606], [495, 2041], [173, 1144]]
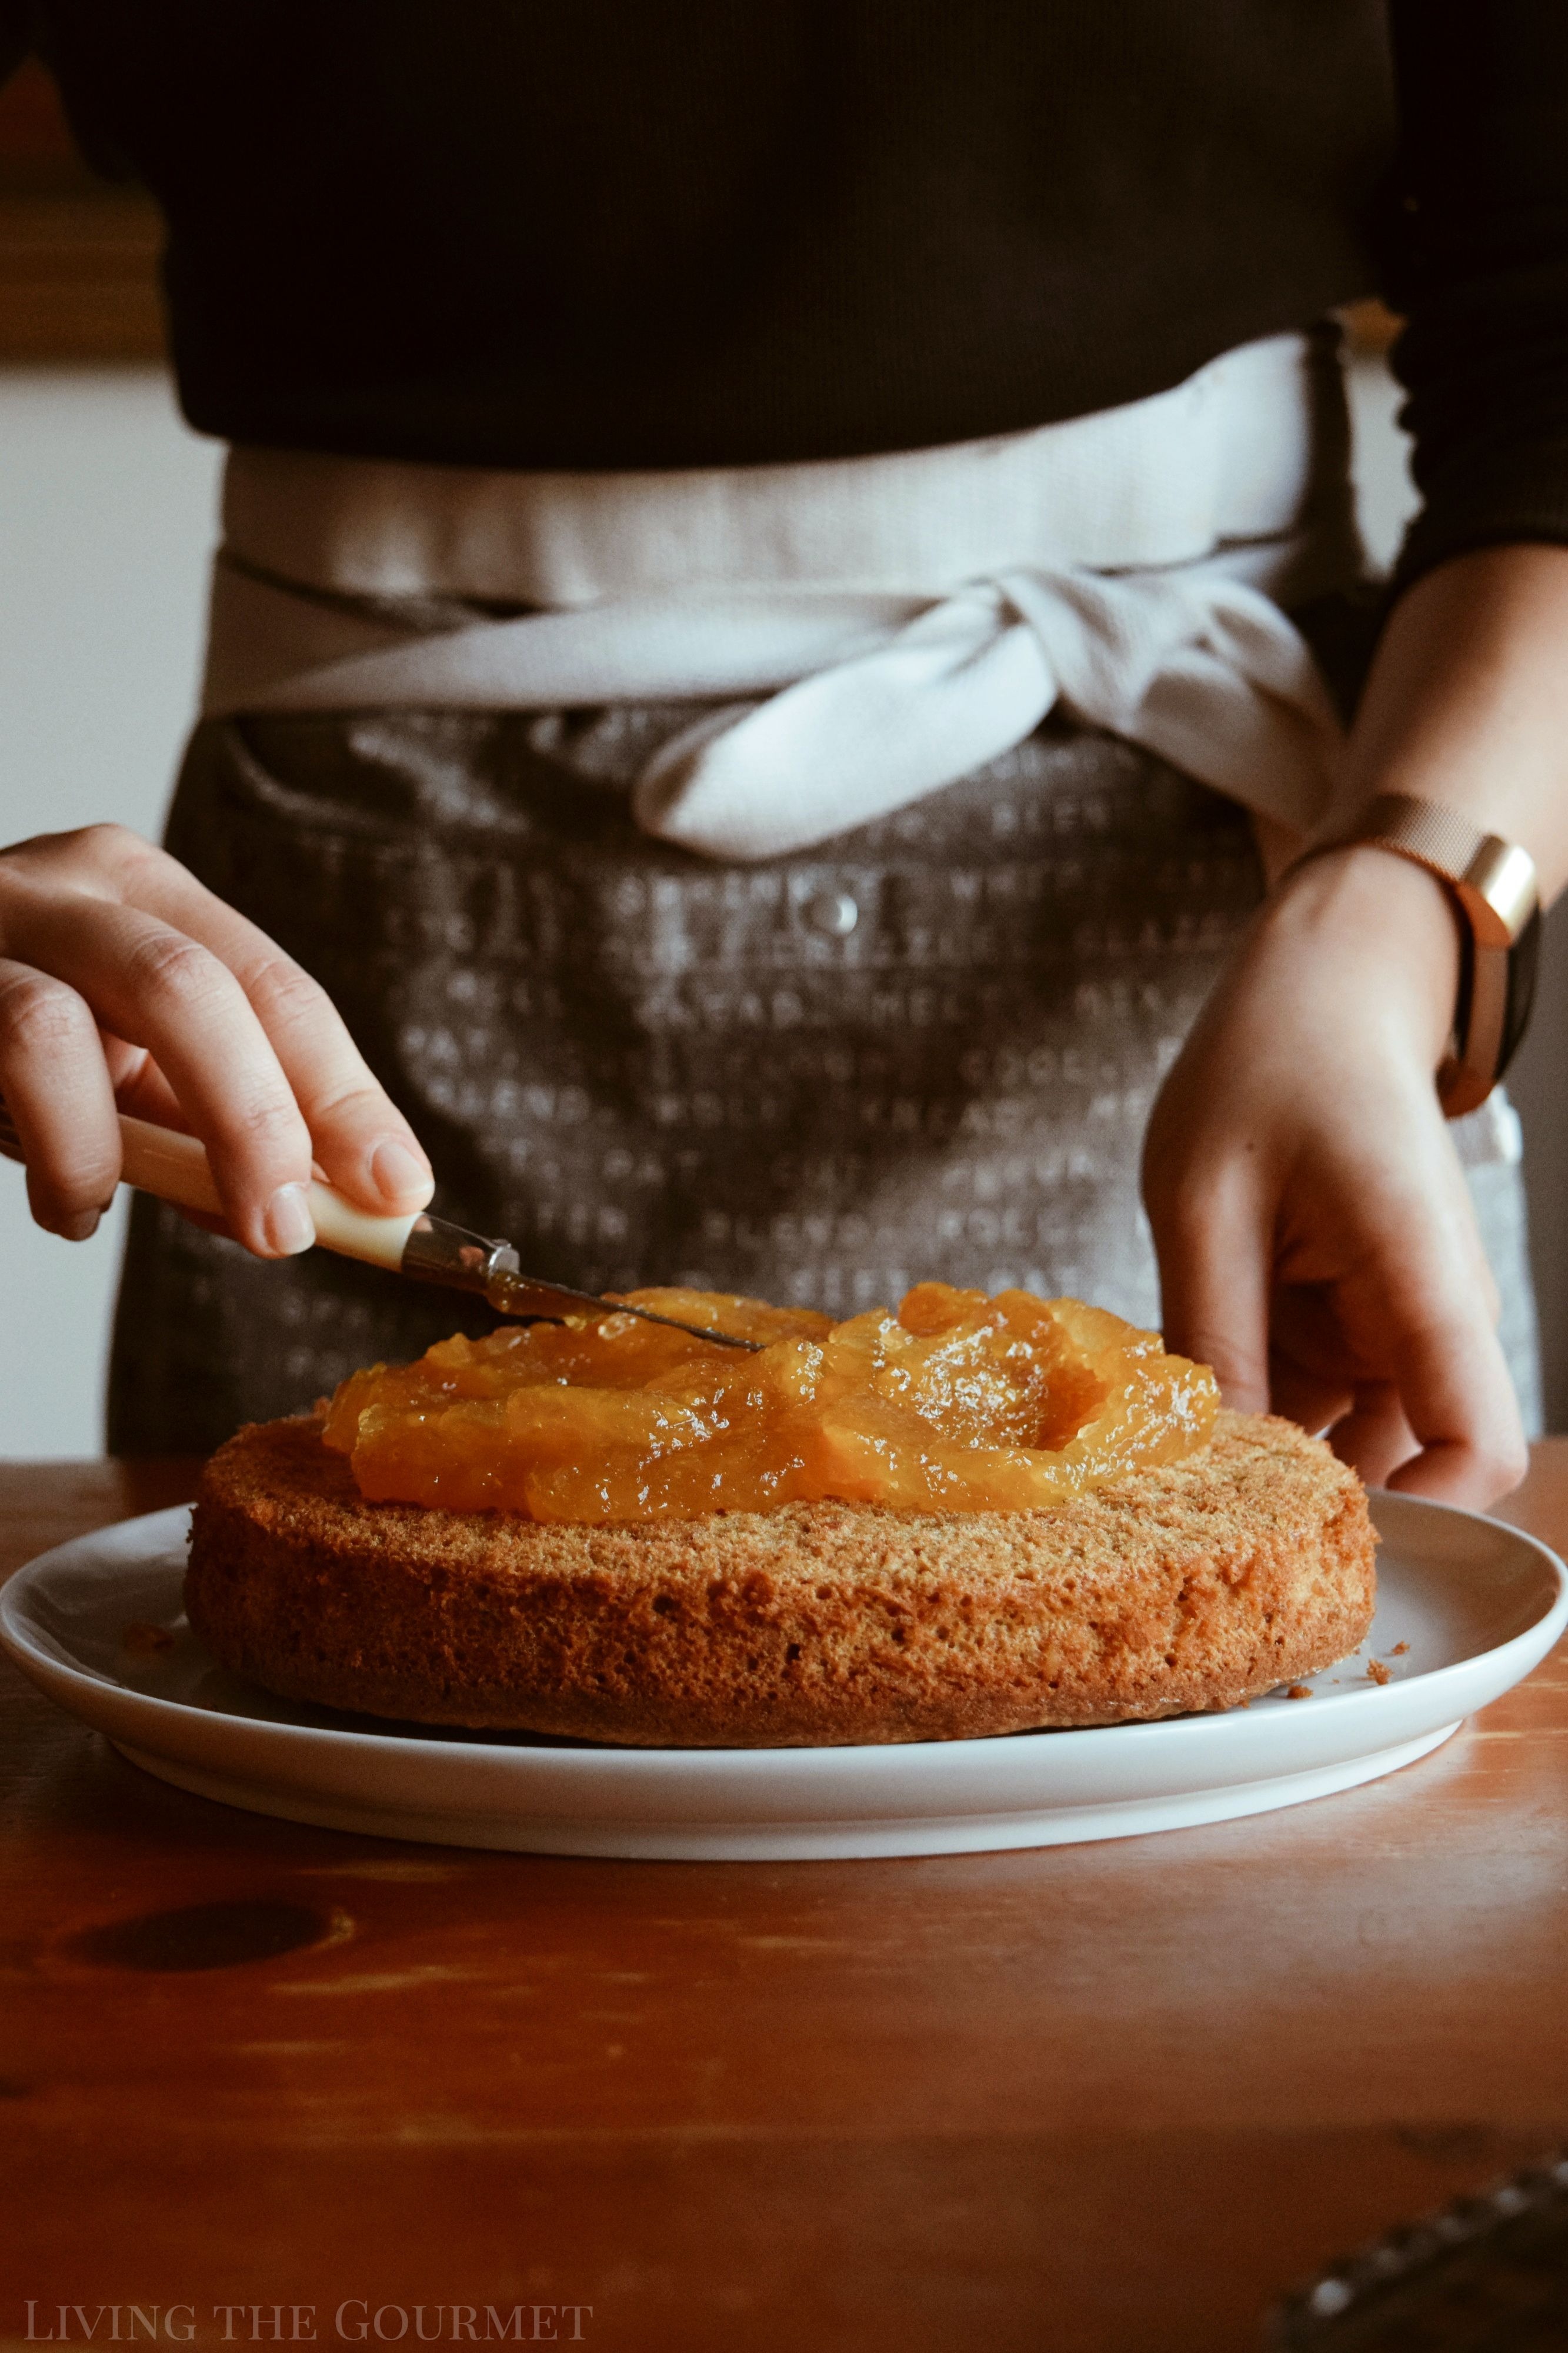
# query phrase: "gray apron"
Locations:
[[926, 1048]]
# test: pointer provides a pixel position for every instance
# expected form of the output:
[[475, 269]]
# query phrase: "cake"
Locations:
[[1234, 1560]]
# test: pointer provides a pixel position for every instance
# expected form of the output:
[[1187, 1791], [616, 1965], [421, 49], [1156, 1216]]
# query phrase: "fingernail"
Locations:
[[287, 1221], [397, 1171], [81, 1228]]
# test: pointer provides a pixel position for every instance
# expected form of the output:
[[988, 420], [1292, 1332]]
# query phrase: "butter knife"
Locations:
[[427, 1249]]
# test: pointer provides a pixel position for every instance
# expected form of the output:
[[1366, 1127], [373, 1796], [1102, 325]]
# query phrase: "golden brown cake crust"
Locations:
[[1190, 1587]]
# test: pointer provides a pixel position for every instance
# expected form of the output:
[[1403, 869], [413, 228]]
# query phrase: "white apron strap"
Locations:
[[872, 701]]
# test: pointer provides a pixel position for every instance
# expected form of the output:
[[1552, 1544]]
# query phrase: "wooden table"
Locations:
[[1098, 2097]]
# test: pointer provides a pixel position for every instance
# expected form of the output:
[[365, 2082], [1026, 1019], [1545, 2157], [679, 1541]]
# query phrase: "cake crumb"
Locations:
[[144, 1642], [1376, 1673], [1299, 1690], [1399, 1650]]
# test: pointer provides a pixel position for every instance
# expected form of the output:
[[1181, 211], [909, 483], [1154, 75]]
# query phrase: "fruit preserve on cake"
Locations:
[[959, 1402]]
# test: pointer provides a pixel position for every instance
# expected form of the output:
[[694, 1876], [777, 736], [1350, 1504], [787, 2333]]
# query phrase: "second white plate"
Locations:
[[1466, 1608]]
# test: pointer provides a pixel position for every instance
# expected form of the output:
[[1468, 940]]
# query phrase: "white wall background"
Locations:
[[107, 518], [108, 510]]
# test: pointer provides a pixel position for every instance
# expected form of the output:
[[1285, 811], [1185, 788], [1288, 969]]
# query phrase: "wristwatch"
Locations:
[[1493, 886]]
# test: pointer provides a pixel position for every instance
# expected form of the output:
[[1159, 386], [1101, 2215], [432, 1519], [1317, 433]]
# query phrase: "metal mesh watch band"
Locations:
[[1493, 886]]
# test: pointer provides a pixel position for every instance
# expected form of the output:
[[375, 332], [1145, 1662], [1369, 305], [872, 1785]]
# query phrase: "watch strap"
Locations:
[[1492, 883]]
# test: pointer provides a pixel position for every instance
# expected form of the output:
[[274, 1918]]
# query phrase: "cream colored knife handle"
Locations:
[[157, 1160]]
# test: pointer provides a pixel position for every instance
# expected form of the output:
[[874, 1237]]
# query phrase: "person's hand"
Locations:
[[124, 985], [1315, 1234]]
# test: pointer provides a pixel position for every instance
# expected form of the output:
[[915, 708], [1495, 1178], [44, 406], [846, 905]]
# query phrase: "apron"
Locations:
[[924, 1045]]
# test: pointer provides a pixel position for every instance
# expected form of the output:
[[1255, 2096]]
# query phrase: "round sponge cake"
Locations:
[[1190, 1587]]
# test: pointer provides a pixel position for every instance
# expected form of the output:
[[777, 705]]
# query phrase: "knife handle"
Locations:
[[175, 1167]]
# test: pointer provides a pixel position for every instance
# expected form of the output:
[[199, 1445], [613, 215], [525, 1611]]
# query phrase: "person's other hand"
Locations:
[[1315, 1234], [124, 985]]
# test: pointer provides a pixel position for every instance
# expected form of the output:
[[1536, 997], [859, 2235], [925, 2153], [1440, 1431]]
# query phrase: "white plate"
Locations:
[[1476, 1603]]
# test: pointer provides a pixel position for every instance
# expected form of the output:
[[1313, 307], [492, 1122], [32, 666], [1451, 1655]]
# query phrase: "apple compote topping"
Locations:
[[957, 1403]]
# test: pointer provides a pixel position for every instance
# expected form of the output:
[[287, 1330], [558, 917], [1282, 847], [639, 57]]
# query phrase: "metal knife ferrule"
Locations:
[[451, 1255]]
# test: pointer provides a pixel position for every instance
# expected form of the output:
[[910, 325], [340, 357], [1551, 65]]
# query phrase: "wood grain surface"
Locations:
[[1111, 2096]]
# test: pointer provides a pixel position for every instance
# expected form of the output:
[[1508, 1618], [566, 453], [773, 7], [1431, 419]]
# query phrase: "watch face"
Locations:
[[1523, 965]]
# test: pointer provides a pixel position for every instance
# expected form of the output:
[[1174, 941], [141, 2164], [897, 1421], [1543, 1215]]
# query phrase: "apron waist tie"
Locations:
[[838, 704]]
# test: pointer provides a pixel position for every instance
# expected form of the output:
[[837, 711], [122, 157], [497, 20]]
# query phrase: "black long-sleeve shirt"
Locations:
[[619, 233]]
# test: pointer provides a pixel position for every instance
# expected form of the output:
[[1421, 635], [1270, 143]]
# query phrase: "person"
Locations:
[[751, 711]]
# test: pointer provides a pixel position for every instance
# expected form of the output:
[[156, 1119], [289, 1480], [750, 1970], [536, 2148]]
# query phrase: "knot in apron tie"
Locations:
[[1207, 673]]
